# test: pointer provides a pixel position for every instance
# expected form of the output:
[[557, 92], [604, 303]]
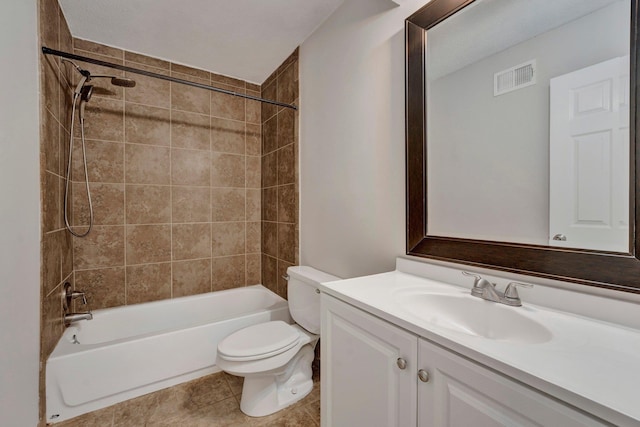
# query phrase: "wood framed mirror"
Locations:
[[618, 270]]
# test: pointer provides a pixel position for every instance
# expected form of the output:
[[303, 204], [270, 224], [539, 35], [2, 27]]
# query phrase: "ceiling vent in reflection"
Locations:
[[513, 78]]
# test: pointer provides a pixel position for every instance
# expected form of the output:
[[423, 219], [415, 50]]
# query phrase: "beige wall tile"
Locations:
[[287, 164], [66, 39], [50, 146], [148, 282], [229, 81], [189, 98], [253, 108], [105, 161], [288, 84], [148, 243], [148, 90], [103, 247], [227, 136], [148, 204], [270, 169], [254, 241], [269, 272], [269, 91], [194, 72], [147, 164], [104, 119], [98, 48], [286, 125], [253, 204], [270, 238], [270, 135], [254, 273], [50, 23], [50, 85], [190, 167], [254, 169], [147, 125], [66, 245], [146, 60], [191, 277], [103, 287], [52, 324], [287, 242], [287, 203], [227, 238], [270, 204], [228, 106], [190, 130], [227, 170], [253, 140], [191, 241], [51, 255], [191, 204], [282, 283], [227, 272], [51, 206], [107, 200], [227, 204]]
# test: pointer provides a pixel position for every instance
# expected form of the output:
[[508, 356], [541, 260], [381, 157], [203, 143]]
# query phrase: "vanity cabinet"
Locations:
[[368, 369], [375, 373]]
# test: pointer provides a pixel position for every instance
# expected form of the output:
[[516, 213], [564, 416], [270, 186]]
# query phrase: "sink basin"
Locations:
[[474, 316]]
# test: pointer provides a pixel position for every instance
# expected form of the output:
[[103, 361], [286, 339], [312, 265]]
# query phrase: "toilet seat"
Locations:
[[259, 341]]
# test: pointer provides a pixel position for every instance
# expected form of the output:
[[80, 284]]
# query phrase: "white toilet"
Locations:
[[274, 357]]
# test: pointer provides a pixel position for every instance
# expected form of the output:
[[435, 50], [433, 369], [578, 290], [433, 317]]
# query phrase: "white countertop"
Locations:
[[591, 364]]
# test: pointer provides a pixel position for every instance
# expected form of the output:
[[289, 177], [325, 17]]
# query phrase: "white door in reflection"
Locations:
[[589, 158]]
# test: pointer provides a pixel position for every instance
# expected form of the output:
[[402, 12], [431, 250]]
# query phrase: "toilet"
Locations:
[[274, 357]]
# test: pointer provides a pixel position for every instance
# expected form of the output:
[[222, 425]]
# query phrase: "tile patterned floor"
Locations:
[[211, 401]]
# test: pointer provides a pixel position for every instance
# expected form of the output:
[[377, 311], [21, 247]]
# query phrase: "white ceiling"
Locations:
[[246, 39]]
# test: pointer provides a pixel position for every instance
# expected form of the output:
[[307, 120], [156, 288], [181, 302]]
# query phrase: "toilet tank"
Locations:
[[304, 297]]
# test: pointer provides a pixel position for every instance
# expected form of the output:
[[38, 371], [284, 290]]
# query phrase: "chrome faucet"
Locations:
[[70, 318], [69, 295], [486, 290]]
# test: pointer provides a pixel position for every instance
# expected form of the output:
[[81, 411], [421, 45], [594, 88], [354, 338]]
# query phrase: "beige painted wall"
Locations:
[[352, 219]]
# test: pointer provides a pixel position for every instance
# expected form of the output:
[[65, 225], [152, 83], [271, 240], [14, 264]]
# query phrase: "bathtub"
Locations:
[[129, 351]]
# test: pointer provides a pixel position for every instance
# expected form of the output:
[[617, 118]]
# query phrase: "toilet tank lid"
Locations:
[[310, 274]]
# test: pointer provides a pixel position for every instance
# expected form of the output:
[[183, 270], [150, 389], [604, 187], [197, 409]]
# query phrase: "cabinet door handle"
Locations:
[[402, 364], [423, 375]]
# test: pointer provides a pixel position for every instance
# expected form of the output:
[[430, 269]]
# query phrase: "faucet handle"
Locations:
[[476, 276], [479, 284], [511, 293], [79, 294]]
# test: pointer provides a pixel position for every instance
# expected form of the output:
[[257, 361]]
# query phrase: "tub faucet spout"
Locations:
[[76, 317]]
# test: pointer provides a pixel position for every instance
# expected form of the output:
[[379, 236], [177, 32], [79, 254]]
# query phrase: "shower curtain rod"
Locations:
[[48, 51]]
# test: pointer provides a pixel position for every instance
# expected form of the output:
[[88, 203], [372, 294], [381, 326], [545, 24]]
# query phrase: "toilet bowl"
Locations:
[[274, 357]]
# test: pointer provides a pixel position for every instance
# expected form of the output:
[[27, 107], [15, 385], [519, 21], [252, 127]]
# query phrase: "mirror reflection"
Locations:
[[528, 123]]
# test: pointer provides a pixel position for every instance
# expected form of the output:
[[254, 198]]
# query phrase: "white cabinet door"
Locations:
[[361, 382], [460, 393]]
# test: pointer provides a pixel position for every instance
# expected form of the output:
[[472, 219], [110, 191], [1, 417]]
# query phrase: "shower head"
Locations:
[[85, 96], [118, 81], [86, 92], [115, 80]]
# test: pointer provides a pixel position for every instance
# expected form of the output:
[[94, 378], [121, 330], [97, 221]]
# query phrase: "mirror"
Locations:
[[519, 138], [527, 131]]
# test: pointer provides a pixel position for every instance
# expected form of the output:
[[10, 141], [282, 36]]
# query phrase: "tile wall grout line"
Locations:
[[124, 208], [210, 195], [170, 185]]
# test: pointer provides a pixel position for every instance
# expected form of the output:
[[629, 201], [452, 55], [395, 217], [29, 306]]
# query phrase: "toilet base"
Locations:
[[266, 393]]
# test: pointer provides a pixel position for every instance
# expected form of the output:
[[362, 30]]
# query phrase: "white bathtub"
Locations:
[[129, 351]]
